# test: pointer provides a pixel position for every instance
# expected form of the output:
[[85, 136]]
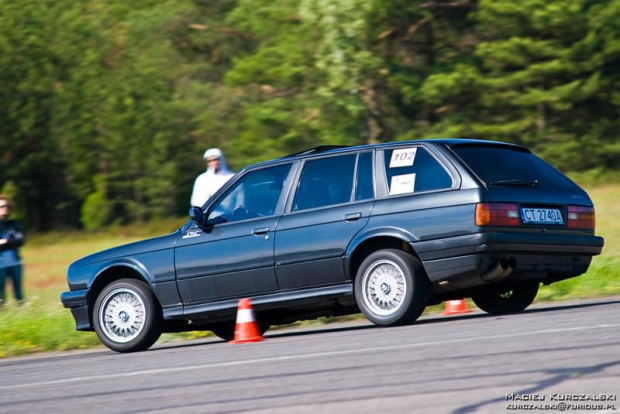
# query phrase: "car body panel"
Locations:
[[428, 216], [527, 195], [310, 245], [230, 260], [143, 246], [152, 267]]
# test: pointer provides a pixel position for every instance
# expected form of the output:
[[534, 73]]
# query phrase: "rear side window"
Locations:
[[325, 182], [414, 170], [510, 166]]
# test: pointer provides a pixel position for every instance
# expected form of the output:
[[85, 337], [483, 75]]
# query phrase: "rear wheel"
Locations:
[[500, 301], [391, 288], [127, 317]]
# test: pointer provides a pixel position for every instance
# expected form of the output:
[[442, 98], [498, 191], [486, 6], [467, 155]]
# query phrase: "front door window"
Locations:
[[254, 195]]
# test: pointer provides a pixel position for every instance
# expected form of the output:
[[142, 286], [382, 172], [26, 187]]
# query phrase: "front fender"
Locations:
[[154, 268], [127, 263]]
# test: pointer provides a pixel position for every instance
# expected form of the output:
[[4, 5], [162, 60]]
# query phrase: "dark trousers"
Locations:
[[15, 272]]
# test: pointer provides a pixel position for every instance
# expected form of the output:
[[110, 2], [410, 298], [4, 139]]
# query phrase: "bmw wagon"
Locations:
[[384, 230]]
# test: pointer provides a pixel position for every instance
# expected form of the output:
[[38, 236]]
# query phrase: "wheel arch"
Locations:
[[112, 273], [363, 247]]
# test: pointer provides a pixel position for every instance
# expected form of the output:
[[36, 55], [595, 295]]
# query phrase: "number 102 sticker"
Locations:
[[403, 157]]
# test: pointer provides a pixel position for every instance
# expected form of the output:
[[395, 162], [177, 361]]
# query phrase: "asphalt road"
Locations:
[[457, 364]]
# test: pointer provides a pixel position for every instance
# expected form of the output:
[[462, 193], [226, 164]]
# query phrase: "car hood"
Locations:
[[131, 249]]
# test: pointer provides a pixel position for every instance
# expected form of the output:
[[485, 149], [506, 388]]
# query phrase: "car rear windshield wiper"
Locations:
[[525, 183]]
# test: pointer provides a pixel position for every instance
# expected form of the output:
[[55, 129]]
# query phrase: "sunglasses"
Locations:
[[4, 206]]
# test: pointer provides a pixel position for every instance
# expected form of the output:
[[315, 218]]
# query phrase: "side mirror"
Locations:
[[197, 216]]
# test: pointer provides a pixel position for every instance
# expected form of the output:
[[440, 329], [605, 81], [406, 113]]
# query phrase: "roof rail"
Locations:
[[316, 150]]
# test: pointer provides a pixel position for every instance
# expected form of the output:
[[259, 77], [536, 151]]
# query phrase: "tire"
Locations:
[[226, 330], [391, 288], [127, 317], [501, 301]]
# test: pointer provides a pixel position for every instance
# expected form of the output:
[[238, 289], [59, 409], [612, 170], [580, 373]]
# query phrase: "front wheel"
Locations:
[[501, 301], [391, 288], [127, 317]]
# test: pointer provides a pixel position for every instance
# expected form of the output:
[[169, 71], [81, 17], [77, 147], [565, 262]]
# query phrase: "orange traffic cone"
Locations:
[[456, 307], [246, 329]]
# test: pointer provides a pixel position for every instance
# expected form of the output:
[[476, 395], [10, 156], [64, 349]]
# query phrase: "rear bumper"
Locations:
[[459, 262], [77, 301]]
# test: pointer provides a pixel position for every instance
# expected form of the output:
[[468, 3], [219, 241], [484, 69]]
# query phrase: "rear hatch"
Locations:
[[543, 196]]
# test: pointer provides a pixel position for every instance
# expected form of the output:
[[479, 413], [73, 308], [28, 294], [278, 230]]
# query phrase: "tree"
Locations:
[[541, 78]]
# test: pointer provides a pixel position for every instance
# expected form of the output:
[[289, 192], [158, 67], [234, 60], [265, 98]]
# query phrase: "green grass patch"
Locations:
[[42, 324], [600, 280]]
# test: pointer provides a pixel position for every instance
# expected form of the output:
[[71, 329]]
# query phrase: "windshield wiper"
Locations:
[[524, 183]]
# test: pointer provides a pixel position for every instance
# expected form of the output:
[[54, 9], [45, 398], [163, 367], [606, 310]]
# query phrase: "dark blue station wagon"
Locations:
[[383, 229]]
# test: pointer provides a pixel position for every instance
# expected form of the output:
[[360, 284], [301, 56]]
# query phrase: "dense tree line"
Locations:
[[107, 105]]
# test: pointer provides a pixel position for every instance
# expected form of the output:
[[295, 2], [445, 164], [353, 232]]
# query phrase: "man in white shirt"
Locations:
[[209, 182]]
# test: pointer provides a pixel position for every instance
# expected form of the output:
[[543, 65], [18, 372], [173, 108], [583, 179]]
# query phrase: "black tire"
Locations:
[[226, 330], [391, 288], [501, 301], [127, 317]]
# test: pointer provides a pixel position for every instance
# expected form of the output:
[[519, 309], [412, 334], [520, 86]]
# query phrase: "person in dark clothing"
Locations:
[[11, 237]]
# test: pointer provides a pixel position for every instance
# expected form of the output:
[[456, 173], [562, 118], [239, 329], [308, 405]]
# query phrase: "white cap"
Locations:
[[212, 152]]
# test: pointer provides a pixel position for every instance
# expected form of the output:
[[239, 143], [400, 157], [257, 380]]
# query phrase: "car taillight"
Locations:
[[581, 218], [497, 214]]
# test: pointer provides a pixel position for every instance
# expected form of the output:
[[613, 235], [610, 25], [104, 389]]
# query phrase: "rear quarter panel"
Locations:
[[428, 216]]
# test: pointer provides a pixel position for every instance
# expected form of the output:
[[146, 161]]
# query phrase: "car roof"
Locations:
[[336, 149]]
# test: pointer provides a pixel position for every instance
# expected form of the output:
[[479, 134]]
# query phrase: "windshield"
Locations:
[[501, 165]]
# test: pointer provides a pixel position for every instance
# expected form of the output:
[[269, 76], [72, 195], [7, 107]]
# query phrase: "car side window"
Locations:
[[256, 194], [414, 170], [365, 186], [325, 182]]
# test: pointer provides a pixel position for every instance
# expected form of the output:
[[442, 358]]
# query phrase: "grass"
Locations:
[[42, 324], [602, 276]]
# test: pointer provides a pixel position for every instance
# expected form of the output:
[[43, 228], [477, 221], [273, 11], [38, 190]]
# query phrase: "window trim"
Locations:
[[441, 160], [372, 174]]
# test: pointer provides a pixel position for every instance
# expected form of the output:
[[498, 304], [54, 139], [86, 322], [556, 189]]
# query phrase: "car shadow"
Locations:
[[437, 319], [362, 324]]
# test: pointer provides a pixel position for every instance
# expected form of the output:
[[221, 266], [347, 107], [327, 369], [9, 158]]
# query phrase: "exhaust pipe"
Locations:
[[499, 271]]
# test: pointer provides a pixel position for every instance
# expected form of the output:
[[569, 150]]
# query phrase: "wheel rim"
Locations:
[[122, 315], [384, 287]]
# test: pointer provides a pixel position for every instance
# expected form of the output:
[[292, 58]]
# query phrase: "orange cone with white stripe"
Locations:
[[246, 328], [456, 307]]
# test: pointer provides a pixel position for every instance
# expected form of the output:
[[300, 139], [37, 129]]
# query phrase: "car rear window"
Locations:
[[506, 165]]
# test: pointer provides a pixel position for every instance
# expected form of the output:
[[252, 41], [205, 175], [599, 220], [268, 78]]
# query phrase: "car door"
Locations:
[[232, 255], [323, 216]]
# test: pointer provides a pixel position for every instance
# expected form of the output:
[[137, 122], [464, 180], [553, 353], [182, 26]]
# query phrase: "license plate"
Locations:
[[541, 216]]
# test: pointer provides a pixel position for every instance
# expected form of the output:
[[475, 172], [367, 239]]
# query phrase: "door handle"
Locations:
[[352, 216], [261, 230]]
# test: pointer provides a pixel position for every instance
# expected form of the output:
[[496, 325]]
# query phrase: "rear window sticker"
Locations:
[[402, 184]]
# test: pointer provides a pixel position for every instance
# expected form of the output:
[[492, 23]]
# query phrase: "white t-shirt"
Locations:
[[207, 184]]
